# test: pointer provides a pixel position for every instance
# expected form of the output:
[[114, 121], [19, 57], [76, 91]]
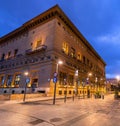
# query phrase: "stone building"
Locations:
[[37, 47], [112, 84]]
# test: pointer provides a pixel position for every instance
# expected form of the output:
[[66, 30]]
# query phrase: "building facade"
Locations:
[[37, 47], [112, 84]]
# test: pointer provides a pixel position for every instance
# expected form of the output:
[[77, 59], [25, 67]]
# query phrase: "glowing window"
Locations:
[[17, 80], [72, 52], [65, 47], [62, 78], [39, 43], [79, 56]]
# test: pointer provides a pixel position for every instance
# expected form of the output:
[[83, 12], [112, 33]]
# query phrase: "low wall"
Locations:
[[5, 97], [28, 96], [19, 96]]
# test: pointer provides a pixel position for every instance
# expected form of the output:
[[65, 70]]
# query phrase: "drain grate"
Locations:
[[55, 119], [36, 122]]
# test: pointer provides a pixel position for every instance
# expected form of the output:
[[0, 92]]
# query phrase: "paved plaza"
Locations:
[[80, 112]]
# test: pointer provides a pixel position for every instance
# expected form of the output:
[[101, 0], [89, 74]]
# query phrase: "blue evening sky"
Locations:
[[97, 20]]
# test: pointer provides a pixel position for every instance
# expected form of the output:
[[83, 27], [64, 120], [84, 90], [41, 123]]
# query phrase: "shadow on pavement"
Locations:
[[47, 102], [35, 103]]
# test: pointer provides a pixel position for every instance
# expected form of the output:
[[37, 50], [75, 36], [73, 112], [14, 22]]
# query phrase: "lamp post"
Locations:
[[83, 85], [55, 80], [65, 92], [88, 78], [89, 75], [76, 81], [26, 74]]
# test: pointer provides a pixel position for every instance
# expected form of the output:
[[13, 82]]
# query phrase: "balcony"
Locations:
[[37, 49]]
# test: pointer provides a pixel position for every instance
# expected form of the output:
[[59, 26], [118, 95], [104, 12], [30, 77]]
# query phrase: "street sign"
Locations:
[[27, 80], [55, 74], [55, 79]]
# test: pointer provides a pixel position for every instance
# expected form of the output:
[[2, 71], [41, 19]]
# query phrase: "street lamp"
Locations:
[[90, 74], [26, 75], [59, 62], [88, 77], [55, 79], [76, 81], [88, 92]]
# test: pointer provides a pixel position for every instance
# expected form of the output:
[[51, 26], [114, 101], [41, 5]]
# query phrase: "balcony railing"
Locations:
[[37, 49]]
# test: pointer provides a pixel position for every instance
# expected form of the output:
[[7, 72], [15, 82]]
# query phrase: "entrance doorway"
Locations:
[[34, 84]]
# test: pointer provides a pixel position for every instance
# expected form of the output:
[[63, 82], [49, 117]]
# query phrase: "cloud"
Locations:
[[113, 70], [110, 75], [118, 62], [111, 38]]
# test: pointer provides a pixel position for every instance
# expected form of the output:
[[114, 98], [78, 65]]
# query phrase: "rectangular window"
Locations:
[[15, 52], [60, 92], [34, 83], [91, 65], [70, 79], [70, 92], [39, 43], [84, 60], [9, 80], [72, 52], [88, 61], [63, 78], [79, 56], [2, 80], [17, 80], [3, 57], [65, 92], [65, 47], [9, 54]]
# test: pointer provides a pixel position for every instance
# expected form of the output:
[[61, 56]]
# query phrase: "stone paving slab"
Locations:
[[45, 124], [83, 112]]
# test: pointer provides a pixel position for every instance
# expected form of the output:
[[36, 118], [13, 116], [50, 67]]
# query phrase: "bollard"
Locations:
[[95, 96], [102, 96], [73, 97], [65, 99]]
